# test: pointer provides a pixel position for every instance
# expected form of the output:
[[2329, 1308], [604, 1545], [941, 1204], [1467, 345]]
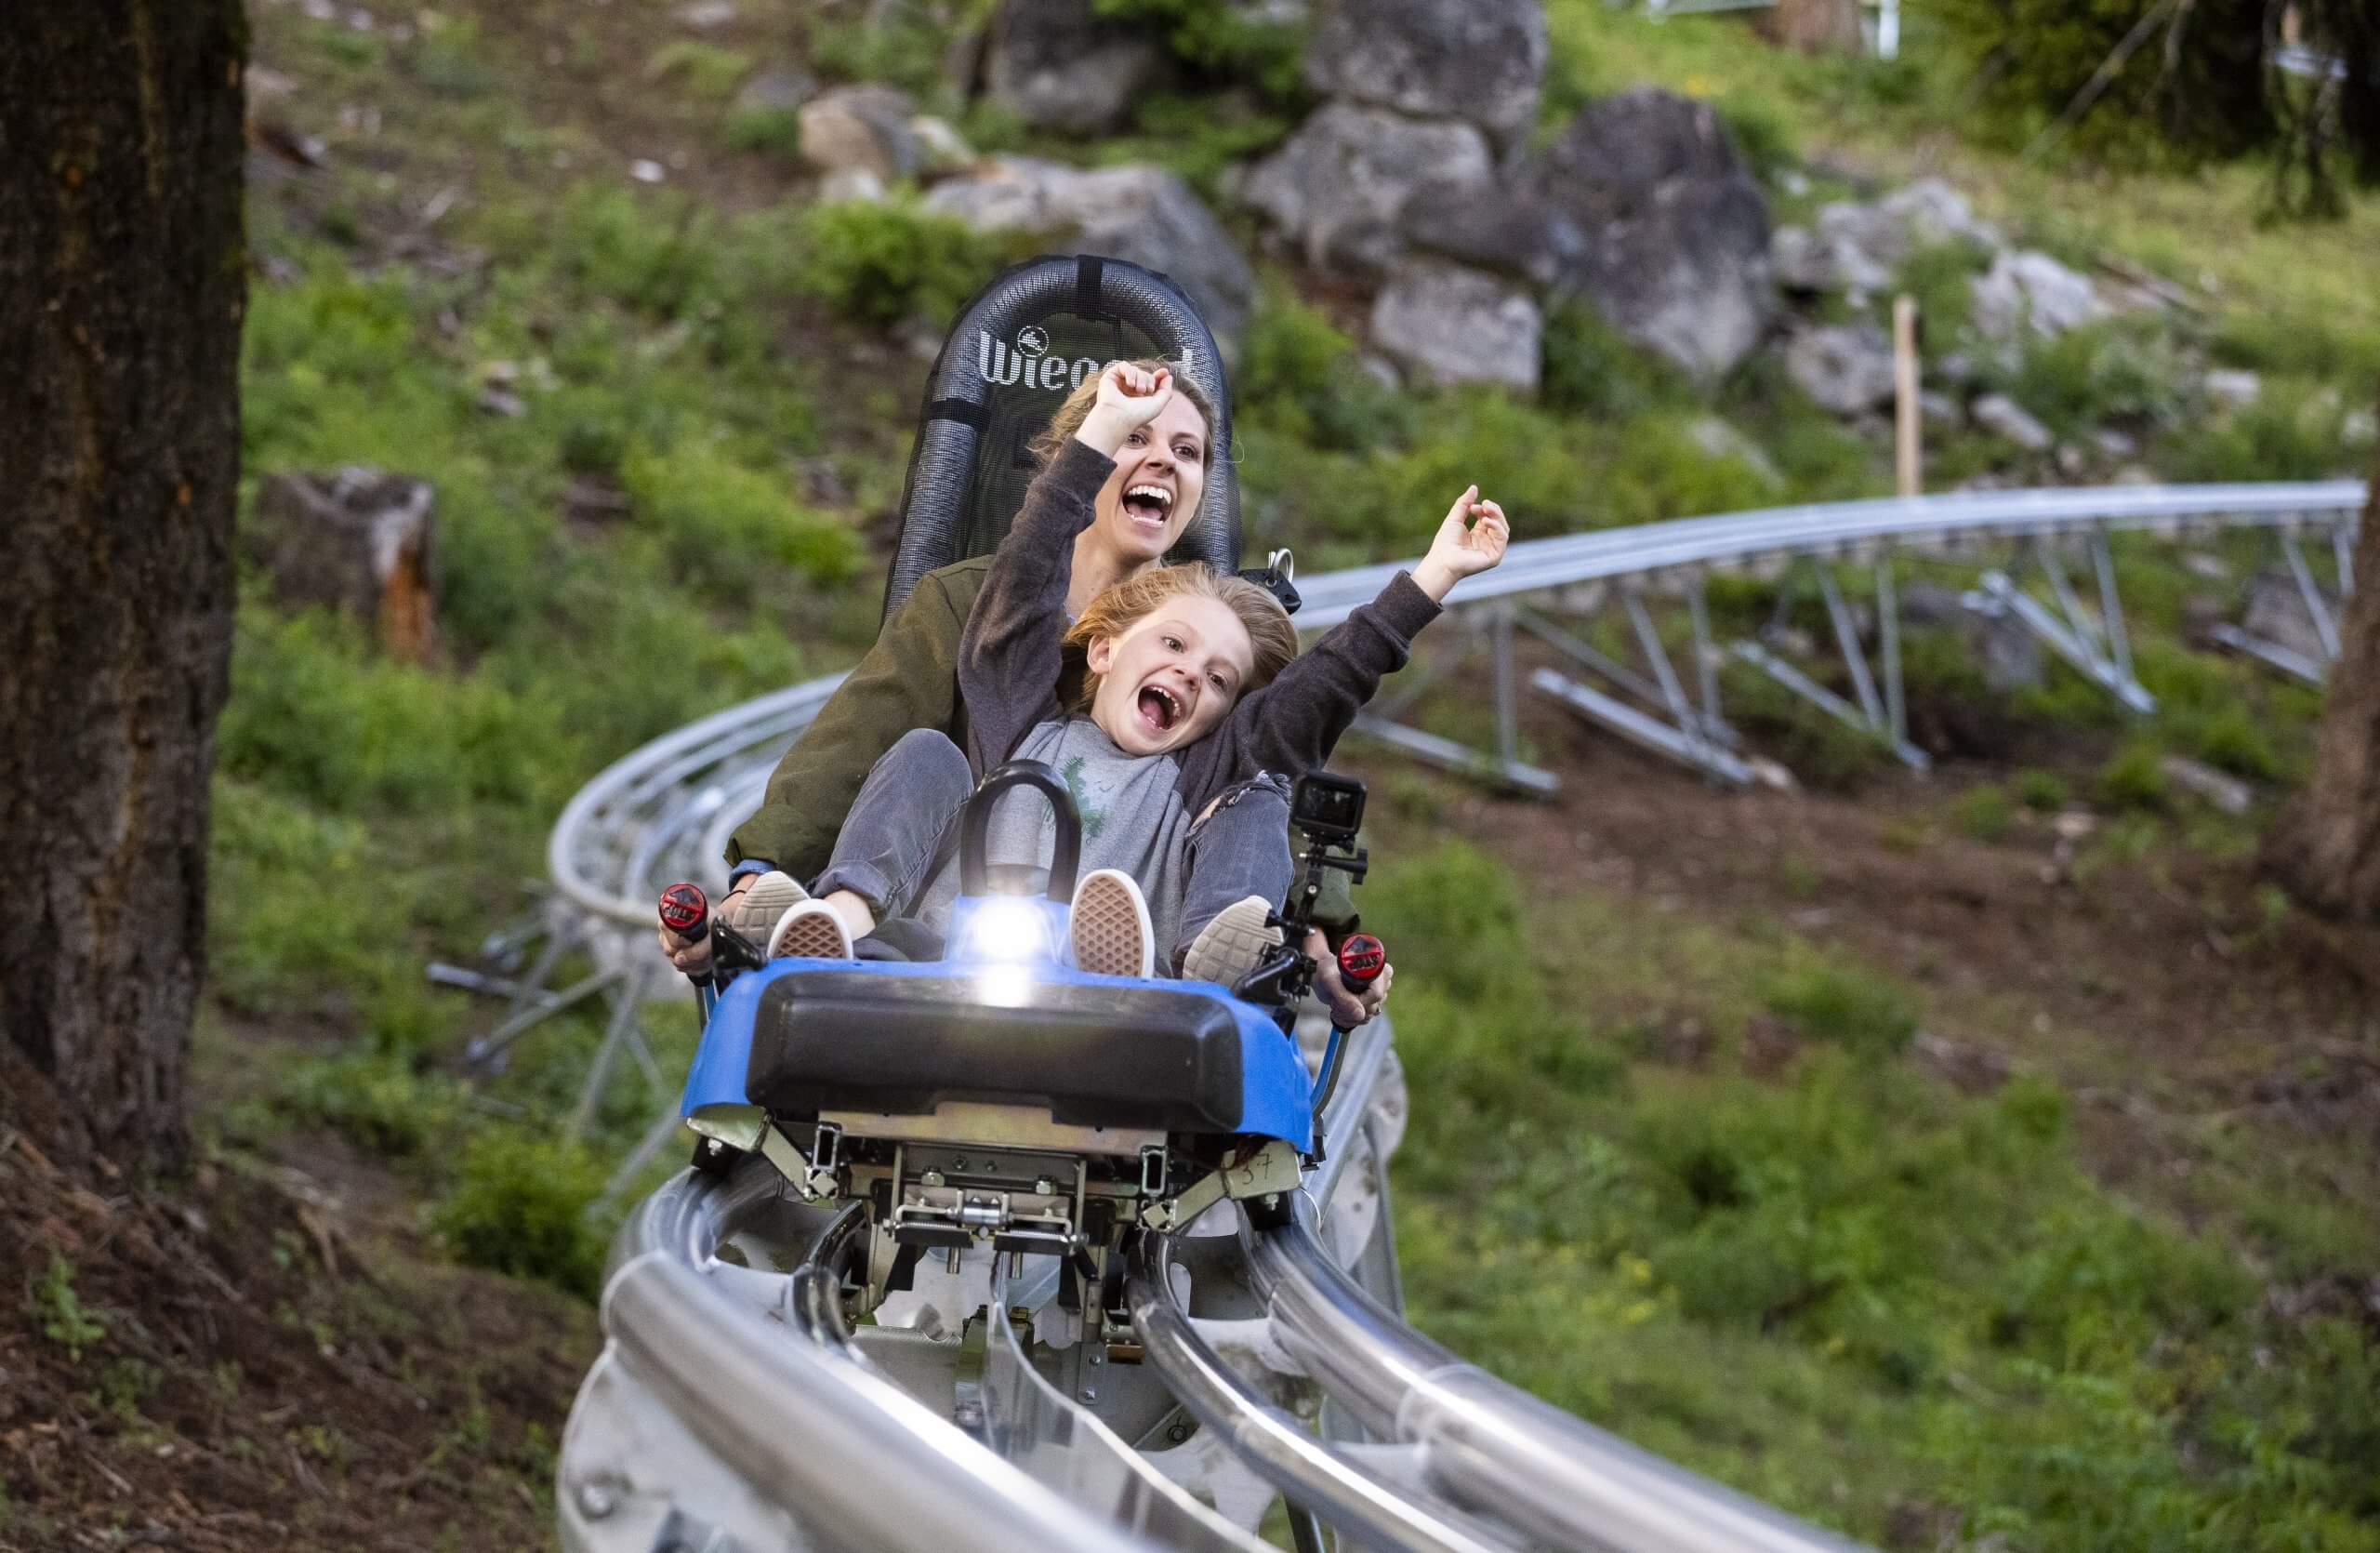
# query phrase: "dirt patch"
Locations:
[[2159, 991], [247, 1360]]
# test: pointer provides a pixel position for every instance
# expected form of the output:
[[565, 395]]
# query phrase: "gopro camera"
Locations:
[[1329, 809]]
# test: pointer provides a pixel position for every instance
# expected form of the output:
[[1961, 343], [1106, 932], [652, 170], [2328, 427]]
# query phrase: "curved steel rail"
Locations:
[[663, 810], [1466, 1456]]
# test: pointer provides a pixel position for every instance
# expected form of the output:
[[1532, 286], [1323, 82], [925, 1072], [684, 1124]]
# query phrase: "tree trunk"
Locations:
[[2327, 847], [123, 275], [1817, 26]]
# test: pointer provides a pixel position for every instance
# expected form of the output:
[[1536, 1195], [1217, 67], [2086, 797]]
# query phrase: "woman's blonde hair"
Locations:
[[1124, 604], [1076, 406]]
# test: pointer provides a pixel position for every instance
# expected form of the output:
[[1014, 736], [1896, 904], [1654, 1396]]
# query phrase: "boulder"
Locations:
[[1847, 368], [1855, 247], [1059, 64], [863, 129], [358, 541], [2025, 289], [2008, 656], [1720, 439], [2233, 388], [1496, 226], [774, 91], [1340, 188], [1137, 212], [1479, 61], [944, 150], [1444, 323], [2277, 611], [2227, 794], [1675, 228], [2002, 417]]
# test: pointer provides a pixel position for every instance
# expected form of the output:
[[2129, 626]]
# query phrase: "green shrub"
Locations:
[[314, 713], [656, 253], [2116, 372], [1985, 813], [1222, 46], [2294, 430], [1591, 369], [381, 1101], [776, 131], [885, 262], [2044, 792], [519, 1207], [2134, 780], [2030, 60], [1840, 1004], [703, 70], [721, 519], [65, 1321], [446, 58], [1297, 378], [2231, 740], [1941, 277], [1762, 134]]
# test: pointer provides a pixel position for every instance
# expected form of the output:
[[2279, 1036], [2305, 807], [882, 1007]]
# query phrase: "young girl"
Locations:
[[1194, 695]]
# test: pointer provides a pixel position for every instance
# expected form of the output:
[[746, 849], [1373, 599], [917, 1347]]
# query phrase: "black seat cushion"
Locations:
[[1091, 1056]]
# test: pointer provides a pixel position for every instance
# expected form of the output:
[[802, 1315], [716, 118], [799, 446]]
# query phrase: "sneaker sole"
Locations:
[[810, 931], [1110, 929], [1234, 943], [757, 913]]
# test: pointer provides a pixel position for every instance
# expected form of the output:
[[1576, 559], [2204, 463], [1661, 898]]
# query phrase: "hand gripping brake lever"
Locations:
[[685, 911]]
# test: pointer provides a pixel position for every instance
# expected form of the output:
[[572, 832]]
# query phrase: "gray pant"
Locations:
[[894, 837]]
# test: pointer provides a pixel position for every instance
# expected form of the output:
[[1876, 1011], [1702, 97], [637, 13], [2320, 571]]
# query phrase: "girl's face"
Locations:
[[1169, 679], [1161, 474]]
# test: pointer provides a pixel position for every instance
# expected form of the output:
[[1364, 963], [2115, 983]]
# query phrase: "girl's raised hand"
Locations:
[[1463, 547]]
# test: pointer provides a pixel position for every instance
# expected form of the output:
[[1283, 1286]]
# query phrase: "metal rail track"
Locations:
[[785, 1432]]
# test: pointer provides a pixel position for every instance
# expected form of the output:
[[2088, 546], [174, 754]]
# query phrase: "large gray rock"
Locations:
[[2025, 289], [1496, 226], [1448, 324], [1855, 247], [2277, 611], [1844, 367], [2008, 655], [1058, 64], [1676, 252], [861, 130], [1481, 61], [1340, 187], [1135, 212], [2002, 417]]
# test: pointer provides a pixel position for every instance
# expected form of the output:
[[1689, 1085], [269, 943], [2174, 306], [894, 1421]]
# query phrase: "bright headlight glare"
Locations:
[[1008, 930]]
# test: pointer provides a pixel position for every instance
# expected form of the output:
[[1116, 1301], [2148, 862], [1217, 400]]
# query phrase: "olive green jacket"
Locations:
[[908, 679]]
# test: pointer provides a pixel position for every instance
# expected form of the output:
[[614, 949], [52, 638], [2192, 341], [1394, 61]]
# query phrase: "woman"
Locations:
[[908, 679]]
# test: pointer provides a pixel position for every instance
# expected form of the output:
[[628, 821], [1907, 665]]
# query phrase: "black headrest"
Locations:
[[1015, 354]]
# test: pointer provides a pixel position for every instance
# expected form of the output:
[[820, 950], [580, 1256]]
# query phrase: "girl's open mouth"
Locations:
[[1159, 711]]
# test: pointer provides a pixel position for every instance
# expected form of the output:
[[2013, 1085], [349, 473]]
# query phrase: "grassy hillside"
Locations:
[[1681, 1158]]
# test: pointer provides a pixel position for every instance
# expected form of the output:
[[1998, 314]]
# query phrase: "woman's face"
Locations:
[[1161, 474]]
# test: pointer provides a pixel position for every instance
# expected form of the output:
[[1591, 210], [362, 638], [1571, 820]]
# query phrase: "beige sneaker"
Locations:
[[756, 912], [1234, 942], [810, 930], [1110, 927]]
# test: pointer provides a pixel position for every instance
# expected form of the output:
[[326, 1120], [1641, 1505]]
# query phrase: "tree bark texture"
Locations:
[[1817, 26], [123, 277], [2327, 847]]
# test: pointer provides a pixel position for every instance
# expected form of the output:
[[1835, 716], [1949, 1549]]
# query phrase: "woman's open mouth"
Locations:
[[1159, 709], [1148, 504]]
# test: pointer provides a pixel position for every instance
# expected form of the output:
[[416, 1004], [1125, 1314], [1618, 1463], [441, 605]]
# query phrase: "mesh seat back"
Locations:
[[1017, 350]]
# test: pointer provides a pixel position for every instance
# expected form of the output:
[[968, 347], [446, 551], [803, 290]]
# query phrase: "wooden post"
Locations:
[[1905, 407]]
